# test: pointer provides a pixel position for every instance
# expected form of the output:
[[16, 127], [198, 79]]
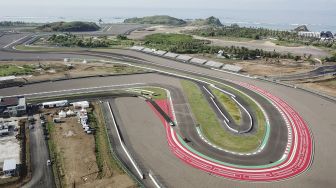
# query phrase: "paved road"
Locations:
[[42, 175], [320, 71], [246, 123]]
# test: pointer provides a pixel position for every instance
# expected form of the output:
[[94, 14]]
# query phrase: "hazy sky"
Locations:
[[320, 14], [17, 5]]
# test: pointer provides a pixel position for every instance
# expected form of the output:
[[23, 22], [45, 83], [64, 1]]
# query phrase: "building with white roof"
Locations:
[[81, 104], [184, 58], [214, 64], [159, 52], [148, 50], [137, 48], [171, 55], [9, 167], [54, 104], [198, 61], [310, 34], [12, 106], [232, 68]]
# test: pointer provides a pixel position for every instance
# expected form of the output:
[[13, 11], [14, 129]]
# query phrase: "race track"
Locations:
[[292, 112]]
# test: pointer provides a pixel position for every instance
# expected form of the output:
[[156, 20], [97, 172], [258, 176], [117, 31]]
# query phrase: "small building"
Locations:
[[198, 61], [148, 50], [54, 104], [12, 106], [183, 58], [214, 64], [137, 48], [309, 34], [4, 129], [159, 52], [9, 167], [170, 55], [232, 68], [81, 104]]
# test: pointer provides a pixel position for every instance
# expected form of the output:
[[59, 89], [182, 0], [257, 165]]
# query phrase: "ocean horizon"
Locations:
[[280, 20]]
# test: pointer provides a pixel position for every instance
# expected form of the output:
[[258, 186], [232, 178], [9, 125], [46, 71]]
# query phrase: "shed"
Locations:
[[198, 61], [232, 68], [170, 55], [159, 52], [183, 58], [214, 64]]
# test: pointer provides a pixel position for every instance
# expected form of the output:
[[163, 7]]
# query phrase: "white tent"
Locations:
[[70, 113], [62, 114]]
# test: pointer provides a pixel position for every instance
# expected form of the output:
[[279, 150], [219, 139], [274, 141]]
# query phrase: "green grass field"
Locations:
[[211, 127], [158, 92], [9, 69], [231, 107]]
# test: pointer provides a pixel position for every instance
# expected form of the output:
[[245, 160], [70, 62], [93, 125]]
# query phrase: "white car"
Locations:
[[48, 162]]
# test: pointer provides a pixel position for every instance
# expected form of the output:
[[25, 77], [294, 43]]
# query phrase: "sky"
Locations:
[[18, 5], [284, 14]]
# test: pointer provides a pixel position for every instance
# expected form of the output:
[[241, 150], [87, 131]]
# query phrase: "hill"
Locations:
[[301, 28], [211, 21], [69, 27], [160, 19]]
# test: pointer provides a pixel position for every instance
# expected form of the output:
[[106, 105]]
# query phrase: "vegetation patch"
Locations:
[[70, 40], [160, 19], [184, 44], [154, 92], [231, 107], [212, 129], [178, 43], [9, 69], [105, 161], [55, 157], [69, 27], [211, 21], [285, 37]]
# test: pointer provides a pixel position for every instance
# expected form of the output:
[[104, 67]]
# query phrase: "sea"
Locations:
[[319, 20]]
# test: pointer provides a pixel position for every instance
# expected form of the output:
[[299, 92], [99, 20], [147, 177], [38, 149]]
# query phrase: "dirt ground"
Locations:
[[268, 46], [328, 86], [78, 158], [46, 70], [141, 33], [263, 68]]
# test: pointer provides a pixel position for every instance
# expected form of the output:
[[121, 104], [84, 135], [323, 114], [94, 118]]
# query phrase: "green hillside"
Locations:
[[69, 27], [162, 20], [211, 21]]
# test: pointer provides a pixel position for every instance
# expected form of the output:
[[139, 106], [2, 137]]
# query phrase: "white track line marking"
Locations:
[[14, 42], [123, 146]]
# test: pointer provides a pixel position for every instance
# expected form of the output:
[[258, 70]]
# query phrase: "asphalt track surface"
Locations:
[[90, 82], [306, 104], [320, 71], [247, 120], [42, 175]]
